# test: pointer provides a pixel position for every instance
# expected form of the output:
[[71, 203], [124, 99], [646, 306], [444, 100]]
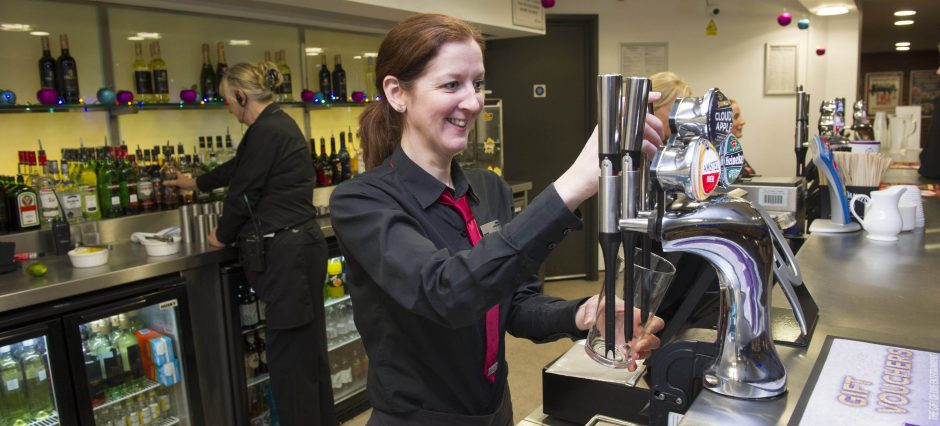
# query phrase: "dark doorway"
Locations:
[[544, 135]]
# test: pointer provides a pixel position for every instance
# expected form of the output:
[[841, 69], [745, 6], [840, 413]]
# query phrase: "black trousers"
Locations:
[[292, 288], [502, 417]]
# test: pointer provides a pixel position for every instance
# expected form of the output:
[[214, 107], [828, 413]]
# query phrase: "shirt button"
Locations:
[[551, 246], [463, 234]]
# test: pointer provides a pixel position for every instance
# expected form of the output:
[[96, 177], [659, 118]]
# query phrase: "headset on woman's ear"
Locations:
[[240, 99]]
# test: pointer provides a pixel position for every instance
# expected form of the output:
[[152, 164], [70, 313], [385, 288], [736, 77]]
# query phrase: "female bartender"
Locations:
[[269, 212], [438, 267]]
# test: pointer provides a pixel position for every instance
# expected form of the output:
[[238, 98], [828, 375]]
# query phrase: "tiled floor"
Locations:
[[526, 359]]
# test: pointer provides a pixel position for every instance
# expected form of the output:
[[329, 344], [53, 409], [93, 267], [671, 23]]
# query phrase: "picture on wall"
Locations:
[[925, 87], [883, 90]]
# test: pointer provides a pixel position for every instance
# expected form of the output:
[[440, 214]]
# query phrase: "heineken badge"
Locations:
[[732, 160]]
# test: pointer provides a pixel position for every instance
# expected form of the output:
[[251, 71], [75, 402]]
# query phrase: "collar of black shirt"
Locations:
[[268, 110], [426, 188]]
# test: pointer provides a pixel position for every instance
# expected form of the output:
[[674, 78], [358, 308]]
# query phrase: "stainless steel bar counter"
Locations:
[[888, 293]]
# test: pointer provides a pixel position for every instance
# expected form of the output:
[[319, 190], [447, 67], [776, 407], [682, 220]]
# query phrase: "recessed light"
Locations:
[[832, 10], [239, 42], [16, 27], [38, 33], [902, 48], [904, 22], [357, 57], [135, 38], [149, 36], [905, 13], [902, 44], [310, 50], [370, 55]]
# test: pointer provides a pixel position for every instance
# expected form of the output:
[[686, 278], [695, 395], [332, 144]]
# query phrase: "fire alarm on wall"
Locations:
[[538, 90]]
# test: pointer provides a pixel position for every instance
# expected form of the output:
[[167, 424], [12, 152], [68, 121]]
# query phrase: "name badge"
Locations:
[[489, 228]]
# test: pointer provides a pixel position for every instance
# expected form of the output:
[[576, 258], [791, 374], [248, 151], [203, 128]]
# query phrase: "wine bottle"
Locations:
[[207, 83], [344, 167], [325, 165], [316, 162], [334, 162], [143, 78], [326, 88], [286, 91], [67, 73], [370, 79], [161, 81], [47, 67], [339, 80], [221, 67]]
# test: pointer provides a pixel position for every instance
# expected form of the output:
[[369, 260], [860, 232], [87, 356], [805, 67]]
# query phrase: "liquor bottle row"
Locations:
[[145, 409], [256, 354], [338, 166], [92, 183], [122, 358], [151, 80], [25, 385], [348, 369]]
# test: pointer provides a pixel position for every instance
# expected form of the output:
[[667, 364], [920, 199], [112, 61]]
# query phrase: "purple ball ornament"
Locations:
[[125, 96], [188, 95], [47, 96], [802, 24], [358, 97], [784, 18], [820, 51], [548, 4], [306, 95], [7, 97]]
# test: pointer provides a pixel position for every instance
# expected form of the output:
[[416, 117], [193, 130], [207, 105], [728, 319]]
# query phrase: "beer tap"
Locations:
[[801, 138]]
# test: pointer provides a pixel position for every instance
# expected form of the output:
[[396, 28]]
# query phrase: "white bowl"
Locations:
[[161, 248], [88, 257]]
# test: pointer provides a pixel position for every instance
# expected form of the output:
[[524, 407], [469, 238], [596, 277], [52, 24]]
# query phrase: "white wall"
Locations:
[[734, 59]]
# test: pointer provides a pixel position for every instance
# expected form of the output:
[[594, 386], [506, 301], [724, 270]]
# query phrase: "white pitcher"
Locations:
[[882, 217], [880, 129], [902, 128]]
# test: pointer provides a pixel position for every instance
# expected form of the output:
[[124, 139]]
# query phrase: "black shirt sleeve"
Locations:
[[247, 179], [542, 318], [216, 178], [451, 289]]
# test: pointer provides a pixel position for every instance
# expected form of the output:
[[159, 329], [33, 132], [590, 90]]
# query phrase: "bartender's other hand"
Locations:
[[643, 347], [182, 182], [213, 241]]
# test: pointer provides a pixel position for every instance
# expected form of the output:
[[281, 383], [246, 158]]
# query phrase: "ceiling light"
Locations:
[[902, 44], [357, 57], [832, 10], [38, 33], [904, 22], [149, 36], [16, 27], [135, 38], [905, 13], [902, 48], [239, 42], [370, 55]]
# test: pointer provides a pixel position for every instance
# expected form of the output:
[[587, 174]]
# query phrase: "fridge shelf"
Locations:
[[148, 385], [349, 392], [52, 420], [345, 342], [259, 326], [330, 302], [166, 421], [258, 379]]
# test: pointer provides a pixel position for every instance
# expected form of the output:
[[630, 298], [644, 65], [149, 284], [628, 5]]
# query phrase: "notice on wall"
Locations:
[[863, 383], [779, 69], [643, 59], [529, 14]]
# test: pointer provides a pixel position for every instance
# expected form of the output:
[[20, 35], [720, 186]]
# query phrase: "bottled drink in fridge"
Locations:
[[13, 401], [47, 67], [339, 80], [38, 387], [67, 73], [247, 306]]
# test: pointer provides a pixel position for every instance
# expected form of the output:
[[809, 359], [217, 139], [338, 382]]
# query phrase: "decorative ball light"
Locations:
[[125, 96], [548, 4], [802, 23], [47, 96], [820, 51], [784, 18], [307, 95], [7, 97], [106, 96]]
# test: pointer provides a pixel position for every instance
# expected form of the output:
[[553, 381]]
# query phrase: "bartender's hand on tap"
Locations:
[[182, 182], [579, 182], [642, 347], [213, 241]]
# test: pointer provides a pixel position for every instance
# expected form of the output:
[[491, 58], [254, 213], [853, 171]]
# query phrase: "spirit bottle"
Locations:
[[161, 81], [339, 80], [143, 77], [334, 162], [344, 166], [325, 165], [67, 72]]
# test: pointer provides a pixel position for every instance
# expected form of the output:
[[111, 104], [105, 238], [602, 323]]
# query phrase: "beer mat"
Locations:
[[904, 165], [927, 190], [860, 383]]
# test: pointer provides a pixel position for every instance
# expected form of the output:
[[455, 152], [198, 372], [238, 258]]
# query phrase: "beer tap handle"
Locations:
[[635, 181], [610, 134], [786, 269]]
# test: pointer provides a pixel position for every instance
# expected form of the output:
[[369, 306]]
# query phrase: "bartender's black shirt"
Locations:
[[420, 291], [272, 168]]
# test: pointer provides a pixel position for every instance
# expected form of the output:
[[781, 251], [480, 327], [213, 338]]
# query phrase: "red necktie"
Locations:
[[492, 315]]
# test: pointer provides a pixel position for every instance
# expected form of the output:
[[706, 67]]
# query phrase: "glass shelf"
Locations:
[[135, 107], [258, 379], [258, 326], [166, 421], [147, 385], [54, 108], [52, 420], [330, 301], [344, 342]]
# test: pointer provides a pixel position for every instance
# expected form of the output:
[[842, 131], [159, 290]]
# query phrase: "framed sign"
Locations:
[[779, 69], [529, 14], [883, 90], [643, 59], [925, 87]]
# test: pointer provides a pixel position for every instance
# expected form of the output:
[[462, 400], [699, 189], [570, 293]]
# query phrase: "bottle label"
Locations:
[[47, 74], [71, 201], [249, 314], [133, 198], [161, 82], [145, 190], [12, 385], [28, 210], [115, 200], [285, 86], [41, 375], [91, 202], [253, 360], [143, 82], [48, 199]]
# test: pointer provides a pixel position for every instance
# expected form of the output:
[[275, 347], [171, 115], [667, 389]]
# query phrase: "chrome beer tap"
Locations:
[[736, 237], [801, 138]]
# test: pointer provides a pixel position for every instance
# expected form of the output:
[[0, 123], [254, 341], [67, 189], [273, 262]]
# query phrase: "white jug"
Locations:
[[882, 217], [880, 129], [902, 128]]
